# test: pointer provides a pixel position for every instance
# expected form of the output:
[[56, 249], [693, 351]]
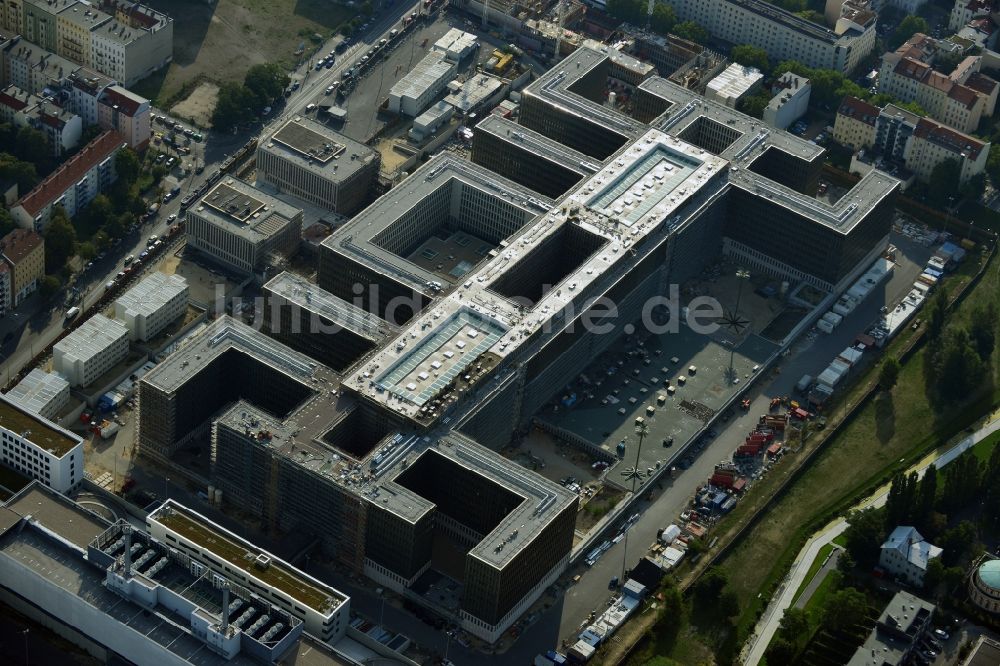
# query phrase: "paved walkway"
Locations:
[[768, 624], [821, 574]]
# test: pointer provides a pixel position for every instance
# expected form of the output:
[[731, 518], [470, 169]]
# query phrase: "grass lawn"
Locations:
[[984, 449], [841, 541], [824, 552], [219, 41]]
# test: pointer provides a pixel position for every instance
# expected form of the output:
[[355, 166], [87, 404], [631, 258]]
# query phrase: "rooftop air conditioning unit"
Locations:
[[262, 561]]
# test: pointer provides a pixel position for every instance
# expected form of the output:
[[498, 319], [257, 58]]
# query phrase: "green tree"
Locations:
[[265, 82], [710, 585], [32, 146], [958, 543], [899, 504], [844, 608], [87, 251], [781, 651], [692, 31], [865, 533], [937, 311], [993, 163], [957, 369], [48, 287], [909, 26], [127, 166], [794, 625], [845, 564], [962, 482], [21, 172], [926, 499], [750, 56], [982, 329], [664, 18], [60, 241], [934, 575], [754, 105], [728, 603], [234, 105], [944, 182], [813, 16], [7, 223], [888, 374]]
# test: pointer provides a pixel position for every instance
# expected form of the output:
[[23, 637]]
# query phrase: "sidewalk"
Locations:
[[768, 624]]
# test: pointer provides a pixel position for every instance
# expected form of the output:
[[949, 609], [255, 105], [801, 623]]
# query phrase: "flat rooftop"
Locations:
[[223, 335], [554, 85], [356, 238], [660, 209], [423, 372], [40, 431], [242, 555], [314, 146], [307, 142], [538, 144], [55, 564], [58, 513], [426, 73], [244, 210], [311, 298], [152, 293], [91, 338], [37, 389], [841, 216]]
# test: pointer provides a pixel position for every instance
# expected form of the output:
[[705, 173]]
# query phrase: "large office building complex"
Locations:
[[38, 448], [242, 228], [308, 160], [460, 302]]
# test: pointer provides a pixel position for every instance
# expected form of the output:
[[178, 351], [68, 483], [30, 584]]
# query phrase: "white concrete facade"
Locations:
[[147, 308], [91, 350], [40, 449]]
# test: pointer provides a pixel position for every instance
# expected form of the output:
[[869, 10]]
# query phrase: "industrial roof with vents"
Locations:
[[244, 210]]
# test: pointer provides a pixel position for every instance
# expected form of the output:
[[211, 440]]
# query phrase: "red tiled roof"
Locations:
[[947, 137], [981, 83], [18, 244], [963, 95], [114, 97], [12, 101], [69, 173], [858, 109]]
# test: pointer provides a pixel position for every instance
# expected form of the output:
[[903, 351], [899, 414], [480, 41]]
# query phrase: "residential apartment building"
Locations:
[[893, 131], [40, 24], [76, 25], [854, 125], [5, 298], [126, 113], [73, 185], [33, 68], [790, 102], [23, 251], [965, 10], [85, 87], [150, 306], [312, 162], [905, 555], [61, 127], [91, 350], [784, 35], [933, 143], [132, 49], [38, 448], [242, 228], [12, 15], [908, 74]]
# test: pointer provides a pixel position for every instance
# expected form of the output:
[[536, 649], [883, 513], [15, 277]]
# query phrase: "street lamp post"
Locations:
[[640, 430], [735, 323]]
